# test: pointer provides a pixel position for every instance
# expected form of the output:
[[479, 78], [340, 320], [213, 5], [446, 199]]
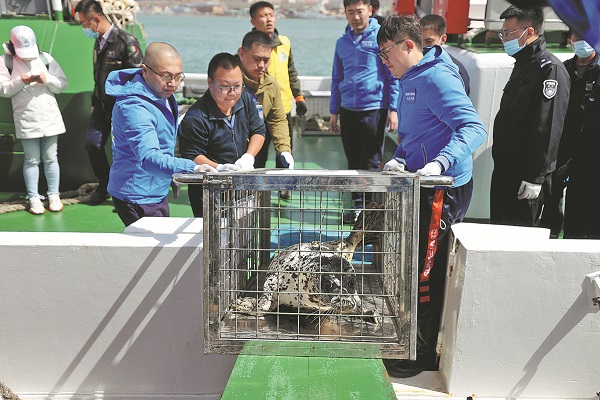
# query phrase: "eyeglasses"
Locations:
[[168, 78], [505, 34], [87, 24], [228, 89], [383, 53]]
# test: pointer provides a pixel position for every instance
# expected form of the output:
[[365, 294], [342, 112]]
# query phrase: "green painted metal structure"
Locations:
[[61, 36]]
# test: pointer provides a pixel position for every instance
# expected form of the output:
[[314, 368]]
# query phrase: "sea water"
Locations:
[[199, 38]]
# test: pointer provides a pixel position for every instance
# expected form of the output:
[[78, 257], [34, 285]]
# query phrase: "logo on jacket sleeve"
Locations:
[[550, 87]]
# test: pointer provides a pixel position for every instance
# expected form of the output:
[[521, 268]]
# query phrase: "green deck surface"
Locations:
[[314, 378]]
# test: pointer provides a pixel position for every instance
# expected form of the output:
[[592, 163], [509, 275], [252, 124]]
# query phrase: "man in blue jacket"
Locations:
[[144, 123], [439, 130], [363, 93]]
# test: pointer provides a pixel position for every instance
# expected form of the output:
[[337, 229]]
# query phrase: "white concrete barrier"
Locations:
[[86, 315], [516, 321]]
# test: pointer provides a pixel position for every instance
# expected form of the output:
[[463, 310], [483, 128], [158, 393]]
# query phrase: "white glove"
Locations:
[[529, 191], [286, 158], [394, 165], [246, 162], [200, 168], [228, 167], [431, 168]]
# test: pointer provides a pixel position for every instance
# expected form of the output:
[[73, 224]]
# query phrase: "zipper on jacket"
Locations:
[[424, 153], [237, 154]]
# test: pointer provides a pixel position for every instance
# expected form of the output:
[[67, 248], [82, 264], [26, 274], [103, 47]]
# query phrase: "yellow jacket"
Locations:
[[283, 70]]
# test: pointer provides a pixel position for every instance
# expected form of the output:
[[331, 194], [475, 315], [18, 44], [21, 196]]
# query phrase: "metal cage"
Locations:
[[287, 277]]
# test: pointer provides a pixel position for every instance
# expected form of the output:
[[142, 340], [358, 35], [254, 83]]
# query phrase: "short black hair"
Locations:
[[375, 5], [261, 38], [397, 28], [352, 2], [435, 22], [223, 60], [258, 6], [87, 6], [533, 17]]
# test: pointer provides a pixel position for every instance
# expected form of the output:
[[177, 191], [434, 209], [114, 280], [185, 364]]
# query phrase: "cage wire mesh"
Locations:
[[288, 277]]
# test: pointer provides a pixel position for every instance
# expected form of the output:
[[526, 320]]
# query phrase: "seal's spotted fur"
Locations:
[[317, 276]]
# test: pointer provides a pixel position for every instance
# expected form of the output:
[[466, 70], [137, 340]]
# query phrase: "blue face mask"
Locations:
[[90, 33], [582, 49], [512, 46]]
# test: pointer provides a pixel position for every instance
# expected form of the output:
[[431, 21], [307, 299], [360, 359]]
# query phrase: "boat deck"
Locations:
[[311, 151]]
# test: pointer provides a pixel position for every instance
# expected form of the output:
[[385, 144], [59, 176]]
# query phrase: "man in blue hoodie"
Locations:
[[144, 123], [439, 130], [363, 93]]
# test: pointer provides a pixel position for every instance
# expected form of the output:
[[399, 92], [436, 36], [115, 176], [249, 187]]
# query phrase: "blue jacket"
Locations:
[[437, 119], [144, 134], [205, 130], [359, 80]]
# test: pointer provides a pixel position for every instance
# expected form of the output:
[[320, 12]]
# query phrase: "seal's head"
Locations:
[[333, 286]]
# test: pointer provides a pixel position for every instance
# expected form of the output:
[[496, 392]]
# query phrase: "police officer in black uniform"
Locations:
[[582, 219], [529, 124], [583, 70], [114, 49]]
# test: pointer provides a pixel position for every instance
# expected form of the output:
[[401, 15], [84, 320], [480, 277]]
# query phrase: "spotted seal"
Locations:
[[317, 276]]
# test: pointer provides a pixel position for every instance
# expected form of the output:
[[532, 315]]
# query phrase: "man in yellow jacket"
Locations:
[[266, 94], [281, 67]]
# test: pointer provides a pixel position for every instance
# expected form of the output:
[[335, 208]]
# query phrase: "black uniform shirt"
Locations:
[[122, 50], [529, 124], [581, 88]]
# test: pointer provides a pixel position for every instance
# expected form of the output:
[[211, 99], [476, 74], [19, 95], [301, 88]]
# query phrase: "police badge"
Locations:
[[550, 87]]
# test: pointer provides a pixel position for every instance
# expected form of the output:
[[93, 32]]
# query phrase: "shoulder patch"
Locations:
[[550, 87]]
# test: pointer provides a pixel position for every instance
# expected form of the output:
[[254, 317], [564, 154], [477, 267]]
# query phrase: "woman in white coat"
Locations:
[[31, 79]]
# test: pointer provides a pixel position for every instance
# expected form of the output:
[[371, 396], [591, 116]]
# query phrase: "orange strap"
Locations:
[[432, 242]]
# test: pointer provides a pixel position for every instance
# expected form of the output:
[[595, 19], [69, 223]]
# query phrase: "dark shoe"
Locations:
[[284, 194], [404, 368], [98, 197], [350, 217]]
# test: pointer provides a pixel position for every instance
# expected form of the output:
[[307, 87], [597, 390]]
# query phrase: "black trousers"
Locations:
[[431, 291], [363, 135], [95, 143], [506, 208], [130, 212]]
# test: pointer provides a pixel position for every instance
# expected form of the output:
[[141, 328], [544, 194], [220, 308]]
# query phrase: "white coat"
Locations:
[[35, 110]]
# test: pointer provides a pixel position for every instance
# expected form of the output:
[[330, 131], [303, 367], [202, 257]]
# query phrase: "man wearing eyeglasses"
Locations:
[[255, 56], [114, 49], [144, 134], [363, 93], [223, 128], [439, 130], [529, 124]]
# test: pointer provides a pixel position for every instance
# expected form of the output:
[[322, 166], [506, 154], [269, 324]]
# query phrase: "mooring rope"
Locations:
[[80, 195]]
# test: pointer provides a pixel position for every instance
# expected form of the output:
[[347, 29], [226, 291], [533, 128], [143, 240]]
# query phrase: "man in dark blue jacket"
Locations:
[[439, 130], [223, 128], [363, 93]]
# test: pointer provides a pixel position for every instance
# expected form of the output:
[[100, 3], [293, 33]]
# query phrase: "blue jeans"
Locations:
[[43, 150]]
